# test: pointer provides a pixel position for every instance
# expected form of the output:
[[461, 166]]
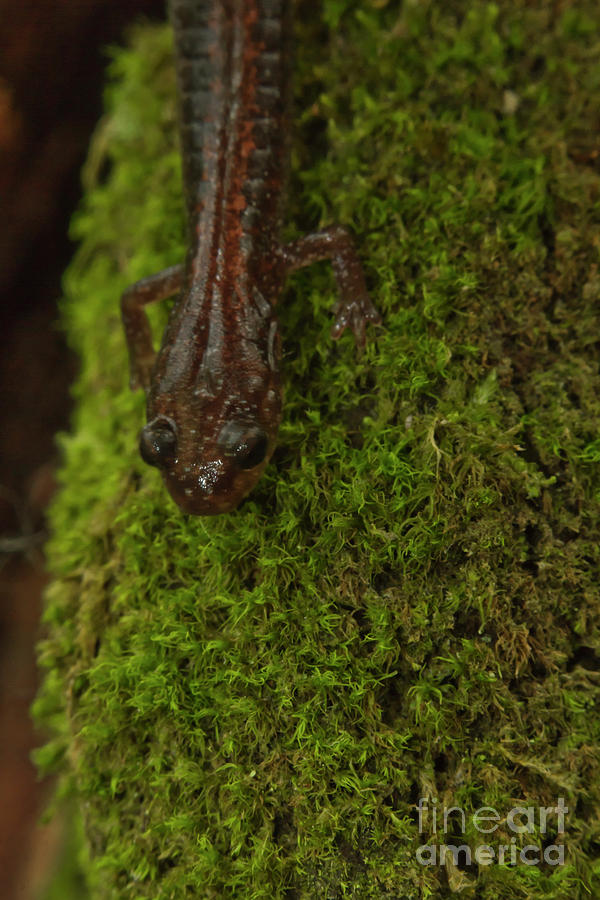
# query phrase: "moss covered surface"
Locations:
[[407, 606]]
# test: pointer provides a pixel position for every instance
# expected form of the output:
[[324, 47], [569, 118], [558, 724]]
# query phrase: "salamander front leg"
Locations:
[[354, 307], [136, 324]]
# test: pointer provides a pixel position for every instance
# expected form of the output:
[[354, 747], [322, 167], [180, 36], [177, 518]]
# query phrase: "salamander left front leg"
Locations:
[[354, 307]]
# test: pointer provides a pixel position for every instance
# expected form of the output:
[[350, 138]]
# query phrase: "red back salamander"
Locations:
[[214, 392]]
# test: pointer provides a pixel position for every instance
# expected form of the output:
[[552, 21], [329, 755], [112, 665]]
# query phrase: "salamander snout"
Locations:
[[212, 475]]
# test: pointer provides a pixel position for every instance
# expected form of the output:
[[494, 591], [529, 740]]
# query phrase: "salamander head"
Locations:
[[210, 470]]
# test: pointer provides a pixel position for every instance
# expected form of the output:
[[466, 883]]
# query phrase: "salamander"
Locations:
[[214, 388]]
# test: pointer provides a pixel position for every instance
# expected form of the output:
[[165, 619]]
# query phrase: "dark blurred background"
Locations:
[[52, 63]]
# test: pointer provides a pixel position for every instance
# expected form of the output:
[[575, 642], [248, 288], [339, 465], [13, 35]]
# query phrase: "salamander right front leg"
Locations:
[[135, 321], [354, 308]]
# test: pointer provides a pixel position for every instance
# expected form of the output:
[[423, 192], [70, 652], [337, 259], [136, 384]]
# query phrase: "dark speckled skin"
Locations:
[[214, 393]]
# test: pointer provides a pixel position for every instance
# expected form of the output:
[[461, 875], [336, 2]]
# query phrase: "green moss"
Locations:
[[407, 605]]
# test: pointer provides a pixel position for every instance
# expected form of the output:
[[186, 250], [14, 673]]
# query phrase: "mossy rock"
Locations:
[[407, 605]]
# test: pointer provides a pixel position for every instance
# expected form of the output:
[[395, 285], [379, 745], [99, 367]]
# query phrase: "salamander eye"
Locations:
[[246, 444], [254, 449], [158, 443]]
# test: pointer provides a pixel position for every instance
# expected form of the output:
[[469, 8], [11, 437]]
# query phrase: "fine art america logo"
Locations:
[[443, 824]]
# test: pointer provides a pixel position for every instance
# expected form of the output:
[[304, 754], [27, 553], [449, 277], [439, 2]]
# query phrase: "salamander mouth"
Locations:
[[212, 488]]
